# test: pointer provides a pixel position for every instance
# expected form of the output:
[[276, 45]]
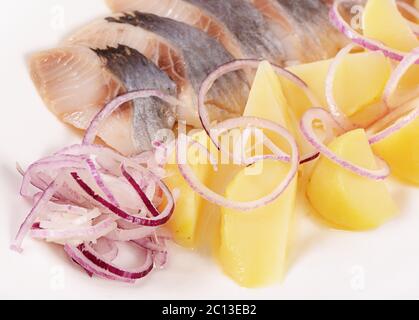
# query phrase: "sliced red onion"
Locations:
[[125, 235], [107, 265], [91, 132], [78, 257], [408, 61], [50, 219], [152, 245], [34, 213], [307, 129], [203, 149], [148, 222], [99, 181], [81, 234], [157, 245], [369, 44], [339, 116], [310, 157], [242, 143], [235, 66], [50, 166], [398, 125], [403, 120], [189, 175], [147, 202], [107, 248]]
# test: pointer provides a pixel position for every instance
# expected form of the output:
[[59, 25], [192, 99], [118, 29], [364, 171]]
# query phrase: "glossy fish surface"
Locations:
[[185, 12], [303, 27], [185, 53], [281, 31], [76, 82], [172, 46]]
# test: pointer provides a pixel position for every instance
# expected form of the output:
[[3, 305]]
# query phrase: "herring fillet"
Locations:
[[307, 32], [76, 82], [185, 12], [281, 31], [236, 24], [187, 54], [247, 25], [136, 72]]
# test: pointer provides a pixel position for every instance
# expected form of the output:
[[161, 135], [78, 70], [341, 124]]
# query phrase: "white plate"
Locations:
[[326, 263]]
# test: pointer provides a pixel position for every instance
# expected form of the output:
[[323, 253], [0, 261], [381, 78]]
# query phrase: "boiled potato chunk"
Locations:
[[184, 222], [345, 199], [266, 99], [384, 22], [253, 245], [401, 151], [359, 82]]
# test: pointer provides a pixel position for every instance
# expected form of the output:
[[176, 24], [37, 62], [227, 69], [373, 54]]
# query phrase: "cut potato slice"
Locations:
[[359, 83], [184, 223], [254, 244], [346, 199], [384, 22], [401, 151]]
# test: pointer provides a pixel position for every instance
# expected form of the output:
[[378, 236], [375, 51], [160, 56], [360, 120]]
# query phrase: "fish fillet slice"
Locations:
[[185, 53], [185, 12], [307, 26], [282, 31], [75, 83]]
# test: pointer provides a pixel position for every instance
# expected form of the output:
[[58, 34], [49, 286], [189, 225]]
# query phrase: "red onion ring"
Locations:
[[43, 165], [307, 130], [34, 213], [408, 61], [82, 234], [151, 245], [190, 177], [147, 222], [125, 235], [202, 148], [309, 158], [107, 265], [107, 248], [235, 66], [398, 125], [340, 117], [92, 269], [149, 205], [91, 132], [369, 44], [391, 86], [99, 181]]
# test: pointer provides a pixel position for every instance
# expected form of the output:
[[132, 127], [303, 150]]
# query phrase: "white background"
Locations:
[[325, 263]]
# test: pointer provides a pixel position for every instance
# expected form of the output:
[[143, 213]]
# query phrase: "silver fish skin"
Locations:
[[201, 55], [136, 72], [247, 25], [76, 82], [285, 32], [303, 28]]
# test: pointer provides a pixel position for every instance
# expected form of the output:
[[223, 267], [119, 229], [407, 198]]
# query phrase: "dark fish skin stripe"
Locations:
[[305, 10], [201, 55], [247, 24], [137, 72]]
